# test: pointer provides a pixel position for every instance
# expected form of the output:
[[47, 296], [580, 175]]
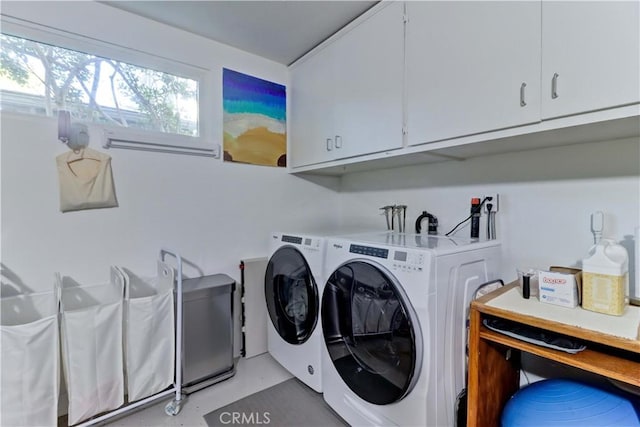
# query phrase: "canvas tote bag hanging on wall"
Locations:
[[30, 360], [91, 336], [149, 332], [86, 181]]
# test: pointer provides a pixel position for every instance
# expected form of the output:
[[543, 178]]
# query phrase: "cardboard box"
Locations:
[[558, 288], [577, 273]]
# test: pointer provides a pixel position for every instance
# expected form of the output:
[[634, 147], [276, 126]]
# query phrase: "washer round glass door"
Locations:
[[291, 295], [370, 333]]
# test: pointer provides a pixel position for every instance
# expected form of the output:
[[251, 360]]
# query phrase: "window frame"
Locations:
[[204, 143]]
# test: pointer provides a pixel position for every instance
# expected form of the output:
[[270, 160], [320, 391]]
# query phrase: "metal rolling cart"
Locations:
[[173, 407], [200, 359]]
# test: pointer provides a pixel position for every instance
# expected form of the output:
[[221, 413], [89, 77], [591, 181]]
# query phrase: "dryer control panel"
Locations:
[[306, 243], [311, 244], [292, 239]]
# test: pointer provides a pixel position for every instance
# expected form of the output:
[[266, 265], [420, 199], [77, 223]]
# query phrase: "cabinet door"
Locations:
[[593, 49], [368, 82], [468, 64], [311, 111]]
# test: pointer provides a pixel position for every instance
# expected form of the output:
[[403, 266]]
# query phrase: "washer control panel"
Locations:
[[408, 261], [369, 251]]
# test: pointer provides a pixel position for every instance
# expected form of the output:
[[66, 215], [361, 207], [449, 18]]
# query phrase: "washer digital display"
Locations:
[[400, 256]]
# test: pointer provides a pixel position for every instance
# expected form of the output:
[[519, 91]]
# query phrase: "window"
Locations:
[[39, 78], [140, 100]]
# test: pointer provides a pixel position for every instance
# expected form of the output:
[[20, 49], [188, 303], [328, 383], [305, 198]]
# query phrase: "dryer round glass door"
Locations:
[[291, 295], [371, 332]]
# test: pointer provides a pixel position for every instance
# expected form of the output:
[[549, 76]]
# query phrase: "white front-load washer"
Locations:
[[293, 281], [387, 357]]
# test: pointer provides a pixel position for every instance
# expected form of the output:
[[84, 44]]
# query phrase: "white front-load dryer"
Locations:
[[385, 326], [293, 285]]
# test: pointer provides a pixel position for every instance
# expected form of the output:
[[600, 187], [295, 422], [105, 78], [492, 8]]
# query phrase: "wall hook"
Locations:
[[75, 135]]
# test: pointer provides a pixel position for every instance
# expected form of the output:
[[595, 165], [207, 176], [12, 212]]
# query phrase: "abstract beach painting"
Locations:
[[254, 120]]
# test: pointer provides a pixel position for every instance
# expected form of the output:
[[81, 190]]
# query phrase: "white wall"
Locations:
[[213, 213], [546, 198]]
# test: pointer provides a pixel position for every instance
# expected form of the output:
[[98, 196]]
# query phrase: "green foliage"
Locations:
[[13, 57]]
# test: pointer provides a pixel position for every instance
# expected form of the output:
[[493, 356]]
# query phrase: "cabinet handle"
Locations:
[[338, 141], [329, 144], [554, 86], [522, 101]]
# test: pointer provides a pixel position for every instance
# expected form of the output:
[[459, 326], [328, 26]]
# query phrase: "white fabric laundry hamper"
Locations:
[[91, 337], [149, 332], [30, 360]]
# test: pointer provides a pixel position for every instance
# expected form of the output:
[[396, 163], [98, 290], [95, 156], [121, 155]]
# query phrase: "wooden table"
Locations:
[[494, 358]]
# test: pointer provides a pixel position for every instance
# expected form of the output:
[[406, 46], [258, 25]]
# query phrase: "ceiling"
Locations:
[[282, 31]]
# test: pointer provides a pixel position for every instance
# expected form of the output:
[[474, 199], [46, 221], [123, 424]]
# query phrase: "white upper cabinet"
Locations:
[[311, 114], [347, 99], [369, 71], [472, 67], [590, 56]]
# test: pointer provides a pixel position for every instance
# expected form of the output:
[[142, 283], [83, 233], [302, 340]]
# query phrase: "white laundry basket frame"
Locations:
[[31, 369], [91, 345], [149, 332], [173, 407]]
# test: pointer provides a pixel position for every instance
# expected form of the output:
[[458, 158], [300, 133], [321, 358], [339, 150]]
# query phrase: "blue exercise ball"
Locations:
[[561, 402]]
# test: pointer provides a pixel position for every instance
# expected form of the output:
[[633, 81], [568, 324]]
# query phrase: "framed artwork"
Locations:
[[255, 113]]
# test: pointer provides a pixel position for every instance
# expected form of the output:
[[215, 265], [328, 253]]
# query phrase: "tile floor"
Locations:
[[252, 375]]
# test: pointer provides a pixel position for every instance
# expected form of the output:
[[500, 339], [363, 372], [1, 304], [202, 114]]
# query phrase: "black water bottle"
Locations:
[[526, 286], [475, 218]]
